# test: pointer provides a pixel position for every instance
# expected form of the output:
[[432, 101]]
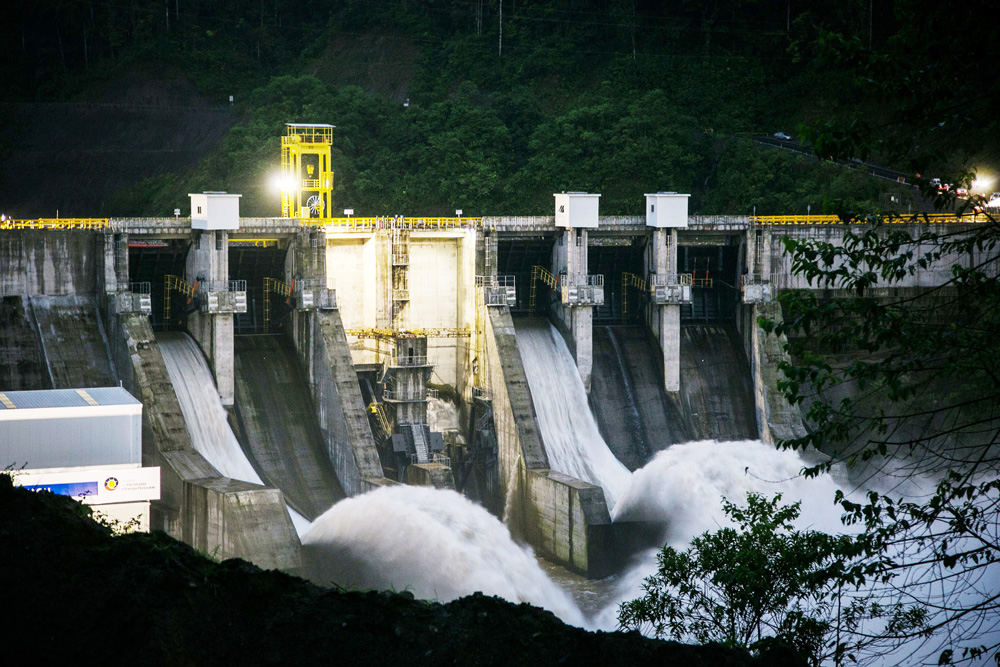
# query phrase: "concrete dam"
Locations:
[[325, 344]]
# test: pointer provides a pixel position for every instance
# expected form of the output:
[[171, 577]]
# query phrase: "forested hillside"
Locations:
[[482, 105]]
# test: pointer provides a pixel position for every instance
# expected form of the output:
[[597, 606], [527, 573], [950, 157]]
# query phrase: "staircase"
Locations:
[[420, 443]]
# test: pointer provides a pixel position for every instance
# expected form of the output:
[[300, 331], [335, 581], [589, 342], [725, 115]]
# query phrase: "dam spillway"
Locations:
[[204, 415], [277, 426], [416, 304], [570, 434]]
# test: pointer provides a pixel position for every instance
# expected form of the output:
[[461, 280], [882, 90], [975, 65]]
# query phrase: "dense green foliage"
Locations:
[[620, 97]]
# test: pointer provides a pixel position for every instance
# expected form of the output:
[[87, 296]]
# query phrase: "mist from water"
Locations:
[[436, 544], [681, 490]]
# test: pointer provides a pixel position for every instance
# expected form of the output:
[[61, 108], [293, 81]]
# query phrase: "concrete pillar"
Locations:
[[582, 331], [670, 344], [214, 334], [666, 212], [666, 317], [764, 255], [576, 212], [208, 269]]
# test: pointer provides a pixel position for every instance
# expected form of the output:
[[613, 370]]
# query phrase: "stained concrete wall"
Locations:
[[343, 420], [220, 516], [938, 273], [52, 262], [73, 341], [563, 518], [437, 475], [776, 418]]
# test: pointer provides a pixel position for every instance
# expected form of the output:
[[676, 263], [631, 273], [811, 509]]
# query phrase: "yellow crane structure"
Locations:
[[307, 172]]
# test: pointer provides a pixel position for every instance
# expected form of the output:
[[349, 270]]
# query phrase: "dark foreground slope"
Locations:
[[76, 594]]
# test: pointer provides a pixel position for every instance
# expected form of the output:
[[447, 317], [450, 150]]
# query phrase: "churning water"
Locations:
[[436, 544], [439, 545], [204, 415]]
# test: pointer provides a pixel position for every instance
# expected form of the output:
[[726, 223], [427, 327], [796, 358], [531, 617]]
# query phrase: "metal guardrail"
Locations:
[[664, 279], [408, 361], [391, 222], [581, 280], [498, 290], [56, 223], [933, 218], [434, 457], [381, 419]]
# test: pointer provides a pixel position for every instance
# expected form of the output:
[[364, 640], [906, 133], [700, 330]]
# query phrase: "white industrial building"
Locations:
[[82, 443]]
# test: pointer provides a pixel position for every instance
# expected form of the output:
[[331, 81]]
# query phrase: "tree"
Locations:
[[907, 387], [759, 583], [899, 380]]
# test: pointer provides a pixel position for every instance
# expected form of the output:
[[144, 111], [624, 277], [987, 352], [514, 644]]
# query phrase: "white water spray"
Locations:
[[204, 415], [573, 441], [442, 415], [682, 489], [434, 543]]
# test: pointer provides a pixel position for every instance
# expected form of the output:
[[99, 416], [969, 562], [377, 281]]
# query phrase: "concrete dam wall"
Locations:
[[413, 307], [276, 423]]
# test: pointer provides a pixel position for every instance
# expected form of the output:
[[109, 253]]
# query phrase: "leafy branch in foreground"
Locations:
[[899, 377], [763, 582]]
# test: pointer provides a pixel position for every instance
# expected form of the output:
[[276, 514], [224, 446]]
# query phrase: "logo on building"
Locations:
[[111, 483]]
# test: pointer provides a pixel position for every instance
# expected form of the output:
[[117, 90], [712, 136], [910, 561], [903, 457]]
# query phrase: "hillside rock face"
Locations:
[[75, 593]]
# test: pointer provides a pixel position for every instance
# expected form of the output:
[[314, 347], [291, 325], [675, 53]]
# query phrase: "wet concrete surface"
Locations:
[[277, 426], [638, 417]]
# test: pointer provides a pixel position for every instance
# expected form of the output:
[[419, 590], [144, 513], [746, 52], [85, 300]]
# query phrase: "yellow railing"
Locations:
[[540, 273], [277, 287], [392, 334], [835, 220], [381, 420], [170, 283], [55, 223], [630, 280], [390, 222]]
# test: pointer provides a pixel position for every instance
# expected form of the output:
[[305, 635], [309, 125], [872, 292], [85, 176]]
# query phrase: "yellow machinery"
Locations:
[[307, 172]]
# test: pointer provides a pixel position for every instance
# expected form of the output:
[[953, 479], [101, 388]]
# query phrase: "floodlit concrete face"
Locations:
[[441, 285], [350, 266]]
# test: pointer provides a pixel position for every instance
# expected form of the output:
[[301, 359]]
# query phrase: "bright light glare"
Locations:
[[982, 184], [284, 183]]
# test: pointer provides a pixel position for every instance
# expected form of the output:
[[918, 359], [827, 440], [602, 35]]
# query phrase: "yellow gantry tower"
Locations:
[[307, 171]]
